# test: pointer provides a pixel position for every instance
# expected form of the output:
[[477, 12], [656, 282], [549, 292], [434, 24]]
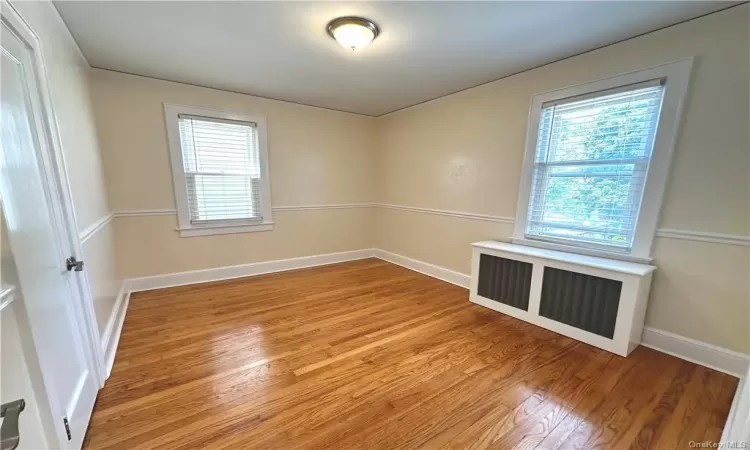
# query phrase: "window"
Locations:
[[596, 162], [590, 167], [219, 170]]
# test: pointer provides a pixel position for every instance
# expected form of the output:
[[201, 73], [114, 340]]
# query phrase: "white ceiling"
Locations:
[[425, 50]]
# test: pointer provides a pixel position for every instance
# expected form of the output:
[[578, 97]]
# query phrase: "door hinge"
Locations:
[[67, 427]]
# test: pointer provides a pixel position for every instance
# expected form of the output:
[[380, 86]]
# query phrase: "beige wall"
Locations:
[[464, 153], [317, 157], [67, 73], [150, 246]]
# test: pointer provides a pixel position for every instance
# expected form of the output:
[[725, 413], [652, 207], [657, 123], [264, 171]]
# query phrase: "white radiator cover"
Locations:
[[635, 282]]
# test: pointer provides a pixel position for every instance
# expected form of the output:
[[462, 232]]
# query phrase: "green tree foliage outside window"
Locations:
[[599, 197]]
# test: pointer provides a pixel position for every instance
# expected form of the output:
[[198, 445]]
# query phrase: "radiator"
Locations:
[[504, 280], [595, 300]]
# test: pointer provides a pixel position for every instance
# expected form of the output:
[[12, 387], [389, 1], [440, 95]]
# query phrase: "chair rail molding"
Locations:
[[94, 228], [145, 212], [702, 236], [664, 233], [667, 233], [320, 207], [444, 212]]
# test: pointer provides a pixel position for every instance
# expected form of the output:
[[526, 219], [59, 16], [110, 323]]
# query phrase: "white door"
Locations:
[[16, 378], [40, 242]]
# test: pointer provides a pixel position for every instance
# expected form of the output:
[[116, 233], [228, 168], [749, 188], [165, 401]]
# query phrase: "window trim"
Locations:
[[185, 227], [676, 76]]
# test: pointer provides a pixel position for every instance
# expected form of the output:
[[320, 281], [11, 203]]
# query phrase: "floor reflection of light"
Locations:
[[243, 358], [520, 393]]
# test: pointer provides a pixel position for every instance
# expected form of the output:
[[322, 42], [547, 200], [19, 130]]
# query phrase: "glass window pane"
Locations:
[[222, 169], [590, 167]]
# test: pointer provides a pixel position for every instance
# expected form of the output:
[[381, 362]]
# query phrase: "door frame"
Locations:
[[58, 189]]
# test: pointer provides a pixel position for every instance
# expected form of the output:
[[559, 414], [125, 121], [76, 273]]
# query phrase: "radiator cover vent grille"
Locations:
[[580, 300], [505, 280]]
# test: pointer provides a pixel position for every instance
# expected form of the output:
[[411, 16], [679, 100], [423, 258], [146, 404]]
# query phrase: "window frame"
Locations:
[[676, 78], [211, 227]]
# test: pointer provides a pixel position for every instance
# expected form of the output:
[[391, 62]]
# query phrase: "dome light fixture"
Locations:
[[353, 32]]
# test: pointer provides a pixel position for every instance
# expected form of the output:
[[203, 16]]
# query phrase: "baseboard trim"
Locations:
[[708, 355], [112, 319], [718, 358], [111, 335], [242, 270], [441, 273], [737, 426]]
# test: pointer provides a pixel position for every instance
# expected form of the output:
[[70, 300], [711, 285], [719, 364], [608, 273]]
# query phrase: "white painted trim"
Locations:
[[111, 335], [92, 229], [242, 270], [442, 212], [441, 273], [6, 295], [211, 229], [702, 236], [567, 257], [145, 213], [584, 251], [172, 212], [171, 115], [676, 77], [317, 207], [112, 319], [712, 356], [737, 425], [666, 233]]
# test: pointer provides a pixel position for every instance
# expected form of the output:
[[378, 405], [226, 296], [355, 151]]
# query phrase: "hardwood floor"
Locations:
[[371, 355]]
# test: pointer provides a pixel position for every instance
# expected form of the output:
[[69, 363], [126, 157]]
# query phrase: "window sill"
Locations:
[[574, 259], [209, 230], [582, 251]]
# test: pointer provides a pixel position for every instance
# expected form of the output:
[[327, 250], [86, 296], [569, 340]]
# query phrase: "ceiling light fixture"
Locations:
[[353, 32]]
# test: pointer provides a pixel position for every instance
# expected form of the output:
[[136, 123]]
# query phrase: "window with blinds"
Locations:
[[222, 169], [592, 155]]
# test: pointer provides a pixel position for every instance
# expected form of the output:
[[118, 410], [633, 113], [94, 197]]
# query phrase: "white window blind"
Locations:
[[222, 169], [592, 156]]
